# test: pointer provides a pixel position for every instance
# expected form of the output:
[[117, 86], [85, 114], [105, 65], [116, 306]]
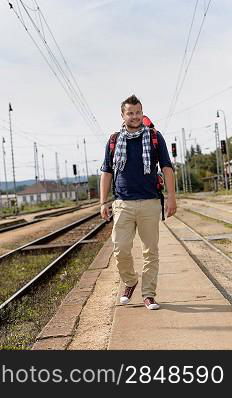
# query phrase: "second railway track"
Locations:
[[214, 262], [66, 241]]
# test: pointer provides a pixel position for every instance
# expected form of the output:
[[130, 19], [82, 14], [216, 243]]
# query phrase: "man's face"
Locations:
[[132, 116]]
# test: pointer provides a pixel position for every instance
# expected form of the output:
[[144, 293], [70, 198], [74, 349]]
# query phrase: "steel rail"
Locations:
[[57, 212], [202, 213], [211, 276], [50, 236], [22, 291], [201, 238], [19, 225], [40, 217]]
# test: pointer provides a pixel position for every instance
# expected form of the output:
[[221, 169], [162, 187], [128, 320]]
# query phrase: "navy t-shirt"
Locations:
[[131, 183]]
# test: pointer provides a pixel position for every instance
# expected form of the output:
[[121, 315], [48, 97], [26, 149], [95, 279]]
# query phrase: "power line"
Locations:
[[76, 98], [68, 68], [190, 60], [82, 102], [181, 66], [198, 103]]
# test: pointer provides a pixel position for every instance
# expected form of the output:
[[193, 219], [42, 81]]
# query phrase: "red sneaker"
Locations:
[[151, 304], [129, 290]]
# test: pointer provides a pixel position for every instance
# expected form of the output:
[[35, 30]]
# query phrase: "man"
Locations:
[[137, 204]]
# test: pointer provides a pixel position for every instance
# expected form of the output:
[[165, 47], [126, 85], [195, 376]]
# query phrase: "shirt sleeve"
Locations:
[[164, 159], [106, 165]]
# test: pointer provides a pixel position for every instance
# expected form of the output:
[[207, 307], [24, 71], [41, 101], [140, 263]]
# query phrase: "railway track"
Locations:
[[9, 226], [214, 262], [218, 212], [90, 226], [48, 238], [18, 225]]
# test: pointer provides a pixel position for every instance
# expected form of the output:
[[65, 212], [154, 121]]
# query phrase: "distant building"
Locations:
[[4, 202], [50, 191]]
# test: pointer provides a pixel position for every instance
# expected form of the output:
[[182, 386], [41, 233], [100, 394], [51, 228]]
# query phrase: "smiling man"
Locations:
[[133, 169]]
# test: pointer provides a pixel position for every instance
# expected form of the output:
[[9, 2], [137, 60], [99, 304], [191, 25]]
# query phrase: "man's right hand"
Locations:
[[105, 212]]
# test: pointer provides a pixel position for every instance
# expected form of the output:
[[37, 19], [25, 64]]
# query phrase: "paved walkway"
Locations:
[[193, 313]]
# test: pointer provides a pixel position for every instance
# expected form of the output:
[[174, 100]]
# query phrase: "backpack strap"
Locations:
[[113, 140], [112, 145], [154, 138]]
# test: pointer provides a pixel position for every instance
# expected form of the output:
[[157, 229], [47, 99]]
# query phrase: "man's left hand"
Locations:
[[170, 206]]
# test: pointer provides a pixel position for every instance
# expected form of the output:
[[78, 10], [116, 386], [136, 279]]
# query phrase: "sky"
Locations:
[[174, 55]]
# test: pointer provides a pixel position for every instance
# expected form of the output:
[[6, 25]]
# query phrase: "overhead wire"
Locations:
[[189, 62], [68, 68], [37, 46], [76, 98], [80, 96], [181, 66], [66, 79], [197, 103], [194, 48], [19, 10]]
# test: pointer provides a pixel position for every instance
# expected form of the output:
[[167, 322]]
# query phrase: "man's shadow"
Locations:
[[191, 307]]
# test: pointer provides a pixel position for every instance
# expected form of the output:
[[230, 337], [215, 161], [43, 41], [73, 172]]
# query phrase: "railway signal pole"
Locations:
[[174, 154], [186, 164], [182, 165], [220, 168], [227, 147]]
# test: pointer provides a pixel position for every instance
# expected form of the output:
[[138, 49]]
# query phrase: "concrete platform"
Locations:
[[193, 315]]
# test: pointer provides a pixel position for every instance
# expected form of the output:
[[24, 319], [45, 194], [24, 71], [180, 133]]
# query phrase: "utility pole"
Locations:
[[187, 165], [4, 165], [77, 175], [227, 147], [16, 210], [87, 173], [174, 154], [59, 189], [217, 155], [66, 176], [58, 177], [44, 177], [182, 165], [36, 163], [184, 157], [220, 167]]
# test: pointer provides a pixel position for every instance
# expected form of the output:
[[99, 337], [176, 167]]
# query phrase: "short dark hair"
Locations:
[[132, 100]]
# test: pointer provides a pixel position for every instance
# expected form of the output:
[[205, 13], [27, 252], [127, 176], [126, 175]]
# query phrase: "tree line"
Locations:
[[199, 165]]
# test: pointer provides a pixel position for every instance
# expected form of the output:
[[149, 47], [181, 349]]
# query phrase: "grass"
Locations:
[[208, 218], [19, 270], [204, 217], [33, 208], [22, 322]]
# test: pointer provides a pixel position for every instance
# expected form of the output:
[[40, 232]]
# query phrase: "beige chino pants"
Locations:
[[143, 215]]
